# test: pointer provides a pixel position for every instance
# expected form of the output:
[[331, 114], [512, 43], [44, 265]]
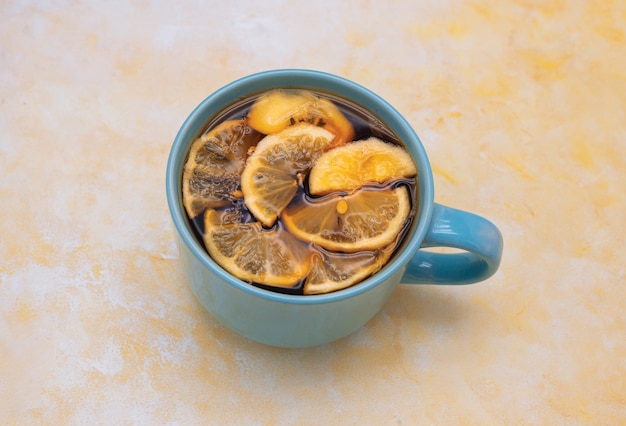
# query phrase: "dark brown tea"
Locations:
[[299, 192]]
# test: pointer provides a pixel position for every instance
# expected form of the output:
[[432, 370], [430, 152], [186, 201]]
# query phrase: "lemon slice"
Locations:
[[254, 254], [270, 178], [278, 109], [214, 165], [335, 271], [353, 165], [368, 219]]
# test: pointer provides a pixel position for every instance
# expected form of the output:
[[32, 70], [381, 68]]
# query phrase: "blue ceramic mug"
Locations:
[[299, 321]]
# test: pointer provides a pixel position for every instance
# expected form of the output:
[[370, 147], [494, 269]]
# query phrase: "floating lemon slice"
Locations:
[[335, 271], [368, 219], [278, 109], [214, 165], [353, 165], [271, 176], [254, 254]]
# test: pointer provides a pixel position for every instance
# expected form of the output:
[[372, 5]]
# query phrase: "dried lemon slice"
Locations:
[[271, 176], [214, 165], [254, 254], [278, 109], [368, 219], [353, 165], [335, 271]]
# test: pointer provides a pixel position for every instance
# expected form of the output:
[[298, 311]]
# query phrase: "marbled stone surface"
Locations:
[[521, 106]]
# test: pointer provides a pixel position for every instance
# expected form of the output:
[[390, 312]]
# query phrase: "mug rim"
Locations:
[[304, 79]]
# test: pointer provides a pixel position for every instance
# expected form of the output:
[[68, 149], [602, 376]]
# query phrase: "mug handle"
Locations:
[[478, 237]]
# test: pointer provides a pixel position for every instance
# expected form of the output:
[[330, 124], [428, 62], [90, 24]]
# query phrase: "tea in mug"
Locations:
[[299, 192]]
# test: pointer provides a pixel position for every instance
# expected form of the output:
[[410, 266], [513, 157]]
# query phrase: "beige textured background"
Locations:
[[522, 108]]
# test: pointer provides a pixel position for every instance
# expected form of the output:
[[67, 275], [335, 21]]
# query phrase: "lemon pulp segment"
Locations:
[[278, 109], [212, 171], [330, 271], [356, 164], [254, 254], [270, 178], [370, 219]]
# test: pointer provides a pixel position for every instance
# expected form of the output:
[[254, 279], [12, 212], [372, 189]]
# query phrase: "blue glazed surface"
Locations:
[[453, 228], [299, 321]]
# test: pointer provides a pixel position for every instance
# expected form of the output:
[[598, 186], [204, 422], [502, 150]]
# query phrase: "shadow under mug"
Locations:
[[299, 321]]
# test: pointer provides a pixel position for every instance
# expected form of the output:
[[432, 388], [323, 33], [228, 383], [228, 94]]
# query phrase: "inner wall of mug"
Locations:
[[316, 81]]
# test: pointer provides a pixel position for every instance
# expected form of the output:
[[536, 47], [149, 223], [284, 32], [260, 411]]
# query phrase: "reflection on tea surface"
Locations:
[[299, 192]]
